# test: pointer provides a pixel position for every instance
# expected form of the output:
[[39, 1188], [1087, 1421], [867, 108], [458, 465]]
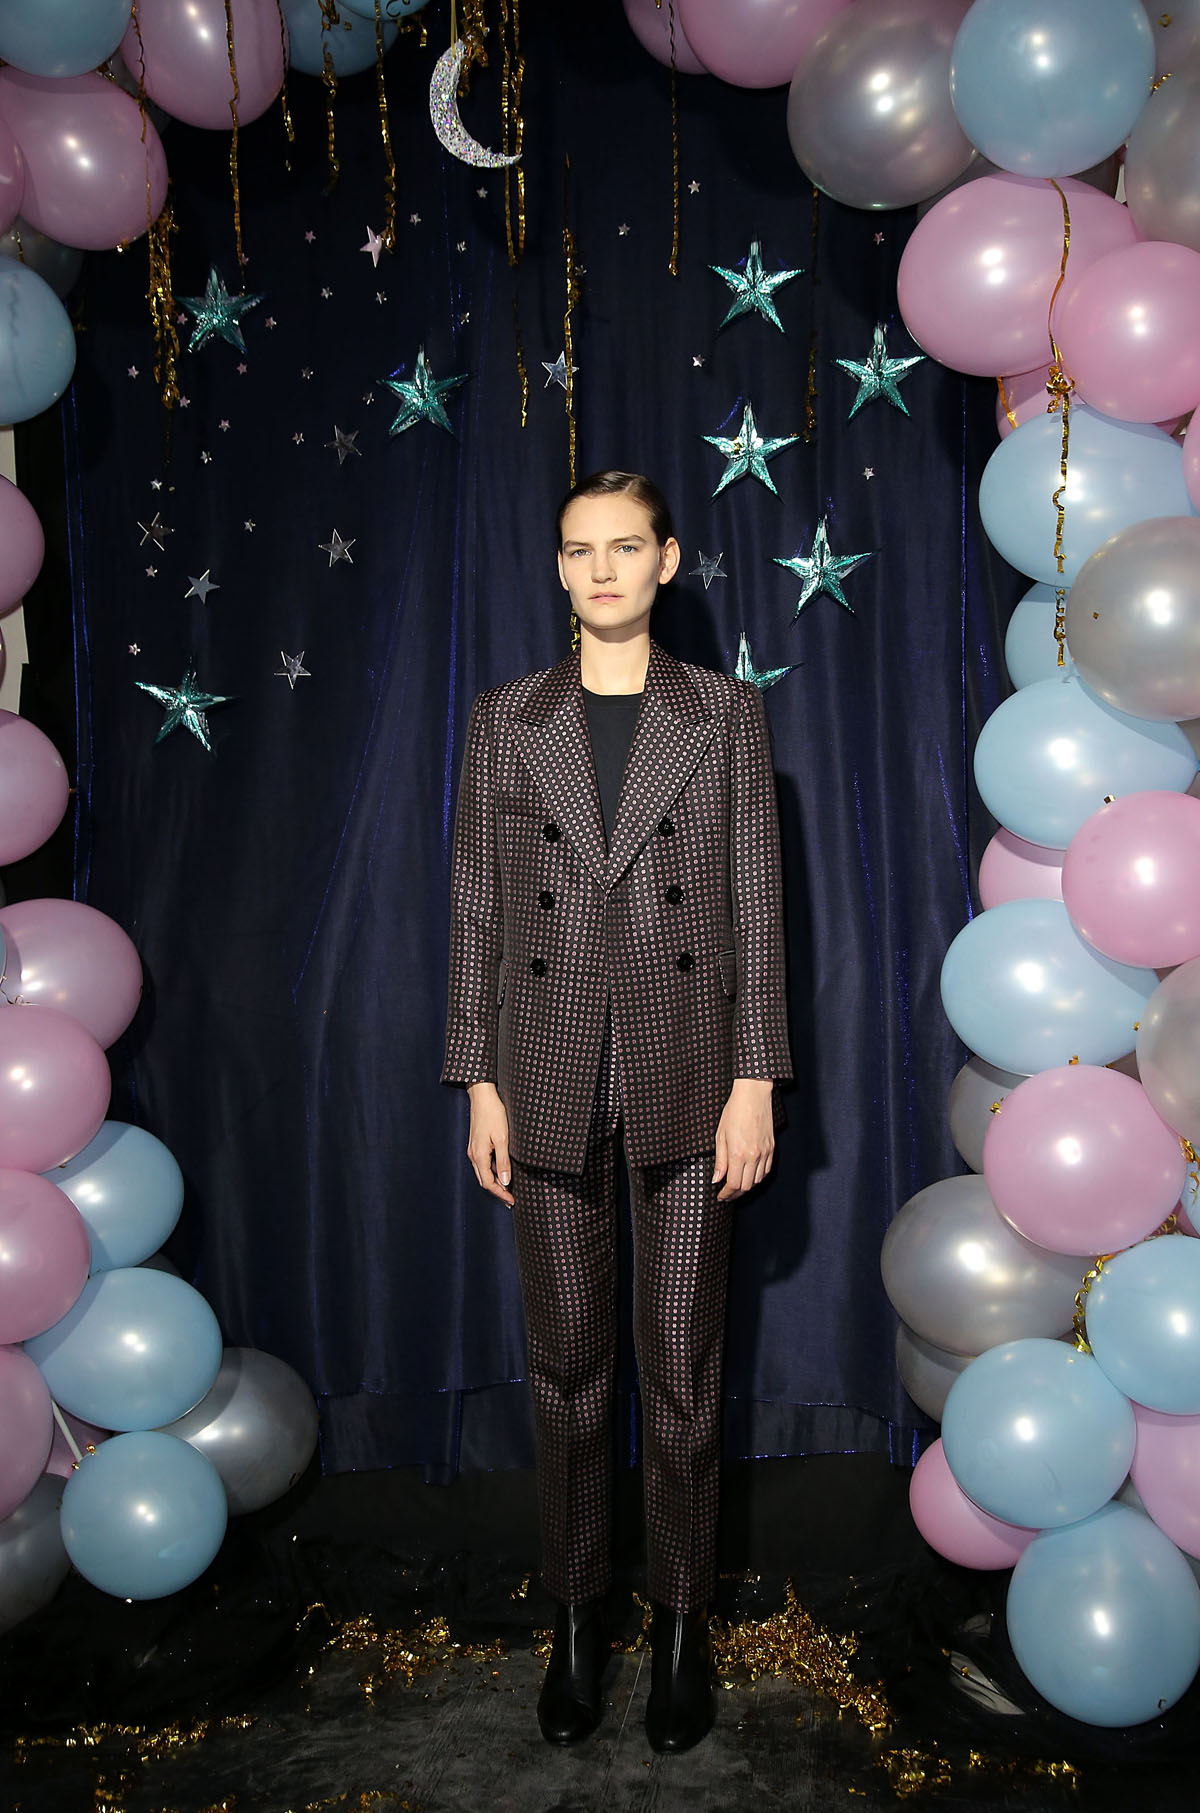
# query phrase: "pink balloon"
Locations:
[[12, 176], [1166, 1471], [1131, 879], [652, 27], [757, 43], [1024, 395], [1013, 869], [25, 1424], [1128, 328], [1191, 464], [45, 1254], [186, 58], [22, 545], [977, 275], [54, 1088], [1077, 1160], [33, 787], [955, 1526], [64, 954], [90, 181], [86, 1435]]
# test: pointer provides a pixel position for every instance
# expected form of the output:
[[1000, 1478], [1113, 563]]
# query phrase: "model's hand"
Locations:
[[487, 1142], [745, 1137]]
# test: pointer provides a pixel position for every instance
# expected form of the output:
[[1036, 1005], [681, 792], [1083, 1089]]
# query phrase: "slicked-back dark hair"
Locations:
[[643, 490]]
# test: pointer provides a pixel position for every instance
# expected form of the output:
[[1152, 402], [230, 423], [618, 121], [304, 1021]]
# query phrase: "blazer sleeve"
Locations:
[[476, 917], [760, 1039]]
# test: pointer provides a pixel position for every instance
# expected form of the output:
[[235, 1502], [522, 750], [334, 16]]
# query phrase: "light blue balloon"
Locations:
[[1143, 1323], [143, 1515], [389, 9], [137, 1349], [37, 344], [351, 43], [1104, 1618], [1050, 755], [1022, 989], [1036, 1434], [1047, 90], [1118, 473], [1030, 650], [129, 1191], [61, 37]]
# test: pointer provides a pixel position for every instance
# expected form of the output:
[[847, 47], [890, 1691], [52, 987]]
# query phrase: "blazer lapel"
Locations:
[[673, 730], [552, 732]]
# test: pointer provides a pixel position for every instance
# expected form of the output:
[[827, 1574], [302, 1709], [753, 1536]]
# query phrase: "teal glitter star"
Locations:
[[823, 571], [762, 677], [421, 396], [747, 452], [219, 313], [878, 376], [184, 704], [752, 288]]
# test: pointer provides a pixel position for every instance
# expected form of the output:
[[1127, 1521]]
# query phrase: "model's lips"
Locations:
[[602, 597]]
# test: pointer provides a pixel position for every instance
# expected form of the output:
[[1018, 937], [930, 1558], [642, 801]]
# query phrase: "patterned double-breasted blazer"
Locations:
[[679, 922]]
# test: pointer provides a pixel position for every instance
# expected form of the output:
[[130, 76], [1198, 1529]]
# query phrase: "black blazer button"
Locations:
[[545, 900], [674, 894], [666, 827], [684, 961], [550, 831], [537, 966]]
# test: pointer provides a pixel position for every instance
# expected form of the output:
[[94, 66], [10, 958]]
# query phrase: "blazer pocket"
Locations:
[[727, 964], [502, 982]]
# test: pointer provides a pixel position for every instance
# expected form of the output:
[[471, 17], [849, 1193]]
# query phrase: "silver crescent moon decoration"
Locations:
[[443, 111]]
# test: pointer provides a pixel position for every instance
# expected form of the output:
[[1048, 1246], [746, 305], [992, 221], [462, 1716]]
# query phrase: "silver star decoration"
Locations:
[[556, 373], [693, 187], [156, 484], [747, 452], [623, 231], [709, 568], [151, 572], [218, 313], [154, 531], [762, 677], [293, 669], [421, 396], [200, 588], [753, 288], [132, 372], [184, 705], [344, 444], [249, 525], [135, 648], [374, 245], [822, 571], [878, 376], [337, 549]]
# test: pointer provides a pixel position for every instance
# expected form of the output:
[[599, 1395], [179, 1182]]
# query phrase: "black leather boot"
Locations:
[[569, 1704], [679, 1711]]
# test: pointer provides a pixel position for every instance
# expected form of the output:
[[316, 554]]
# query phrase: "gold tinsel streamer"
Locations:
[[521, 372], [792, 1644], [233, 143], [405, 1654], [673, 261], [513, 125], [473, 33], [329, 21], [810, 388], [1005, 405], [159, 292], [389, 182], [289, 129], [1059, 384], [1060, 623]]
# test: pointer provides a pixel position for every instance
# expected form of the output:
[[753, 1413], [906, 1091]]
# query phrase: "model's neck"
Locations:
[[613, 667]]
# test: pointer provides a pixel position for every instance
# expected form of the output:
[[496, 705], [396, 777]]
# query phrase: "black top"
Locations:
[[610, 720]]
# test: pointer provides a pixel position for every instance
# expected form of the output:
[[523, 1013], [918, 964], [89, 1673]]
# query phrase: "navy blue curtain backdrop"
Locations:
[[288, 892]]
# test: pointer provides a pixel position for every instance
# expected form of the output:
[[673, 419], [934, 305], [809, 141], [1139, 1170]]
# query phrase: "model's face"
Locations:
[[611, 564]]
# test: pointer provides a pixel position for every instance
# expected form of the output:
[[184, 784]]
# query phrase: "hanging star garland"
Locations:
[[879, 376], [747, 452], [344, 444], [556, 371], [709, 569], [337, 549], [421, 396], [154, 531], [218, 313], [822, 571], [293, 669], [201, 587], [753, 288], [762, 677], [184, 705]]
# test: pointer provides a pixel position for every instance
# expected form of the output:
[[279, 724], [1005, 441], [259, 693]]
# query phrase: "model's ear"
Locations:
[[668, 560], [562, 572]]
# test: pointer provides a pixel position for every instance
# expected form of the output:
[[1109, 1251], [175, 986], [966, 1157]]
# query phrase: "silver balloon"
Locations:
[[59, 265], [258, 1427], [1133, 619], [869, 113], [969, 1105], [33, 1560], [927, 1372], [1176, 32], [1168, 1049], [962, 1278], [1162, 163]]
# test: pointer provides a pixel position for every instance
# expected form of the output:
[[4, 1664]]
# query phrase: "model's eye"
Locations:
[[575, 552]]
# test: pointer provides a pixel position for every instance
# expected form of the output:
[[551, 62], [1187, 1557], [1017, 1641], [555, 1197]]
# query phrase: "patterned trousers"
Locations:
[[566, 1233]]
